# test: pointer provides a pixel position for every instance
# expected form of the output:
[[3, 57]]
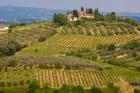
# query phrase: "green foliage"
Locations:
[[10, 49], [102, 47], [111, 17], [1, 91], [96, 11], [70, 89], [10, 30], [89, 11], [136, 91], [82, 8], [58, 66], [13, 25], [133, 45], [42, 38], [130, 21], [12, 63], [110, 85], [60, 19], [75, 13], [111, 47], [2, 84], [98, 16], [96, 90], [33, 87]]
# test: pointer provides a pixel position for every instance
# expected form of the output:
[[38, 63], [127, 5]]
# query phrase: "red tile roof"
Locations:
[[2, 26]]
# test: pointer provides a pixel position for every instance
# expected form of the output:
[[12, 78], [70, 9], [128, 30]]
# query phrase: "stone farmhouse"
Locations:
[[82, 14]]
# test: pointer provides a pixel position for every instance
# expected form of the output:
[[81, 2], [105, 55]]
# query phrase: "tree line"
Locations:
[[98, 16]]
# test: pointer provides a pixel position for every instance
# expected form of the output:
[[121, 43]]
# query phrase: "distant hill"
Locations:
[[39, 14], [12, 12], [135, 16]]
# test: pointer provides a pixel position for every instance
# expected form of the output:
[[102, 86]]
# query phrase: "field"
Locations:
[[29, 34], [61, 44], [16, 77], [45, 59], [86, 78]]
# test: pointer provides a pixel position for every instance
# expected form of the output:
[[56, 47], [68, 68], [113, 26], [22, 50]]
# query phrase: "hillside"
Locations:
[[84, 54]]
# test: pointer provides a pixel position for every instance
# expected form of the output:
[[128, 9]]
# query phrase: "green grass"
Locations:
[[13, 90]]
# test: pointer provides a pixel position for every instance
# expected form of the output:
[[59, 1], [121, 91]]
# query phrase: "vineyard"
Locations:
[[85, 78], [46, 56], [99, 29], [28, 34], [18, 76], [61, 44]]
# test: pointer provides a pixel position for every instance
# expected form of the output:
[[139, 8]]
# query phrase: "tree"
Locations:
[[75, 13], [33, 87], [90, 11], [13, 25], [130, 21], [12, 63], [60, 19], [77, 89], [10, 30], [82, 9], [10, 48], [136, 91], [96, 11], [95, 90], [99, 18], [65, 89], [113, 16], [111, 47], [2, 91], [42, 38]]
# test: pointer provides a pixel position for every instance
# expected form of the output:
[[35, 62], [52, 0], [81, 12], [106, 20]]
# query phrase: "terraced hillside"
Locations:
[[61, 44], [99, 29], [15, 77], [28, 34], [44, 59]]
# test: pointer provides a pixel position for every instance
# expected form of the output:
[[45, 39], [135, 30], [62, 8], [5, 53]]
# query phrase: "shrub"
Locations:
[[28, 82], [15, 83], [101, 47], [58, 66], [9, 84], [33, 87], [12, 63], [10, 48], [110, 85], [2, 91], [111, 47], [21, 83], [95, 90], [136, 91], [42, 38], [2, 84], [10, 30]]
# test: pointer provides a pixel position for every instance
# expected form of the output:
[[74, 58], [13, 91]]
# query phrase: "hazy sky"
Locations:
[[103, 5]]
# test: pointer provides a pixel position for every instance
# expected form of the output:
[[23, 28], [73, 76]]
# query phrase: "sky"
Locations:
[[103, 5]]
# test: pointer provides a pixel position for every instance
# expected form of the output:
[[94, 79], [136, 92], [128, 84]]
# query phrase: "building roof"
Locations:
[[2, 26]]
